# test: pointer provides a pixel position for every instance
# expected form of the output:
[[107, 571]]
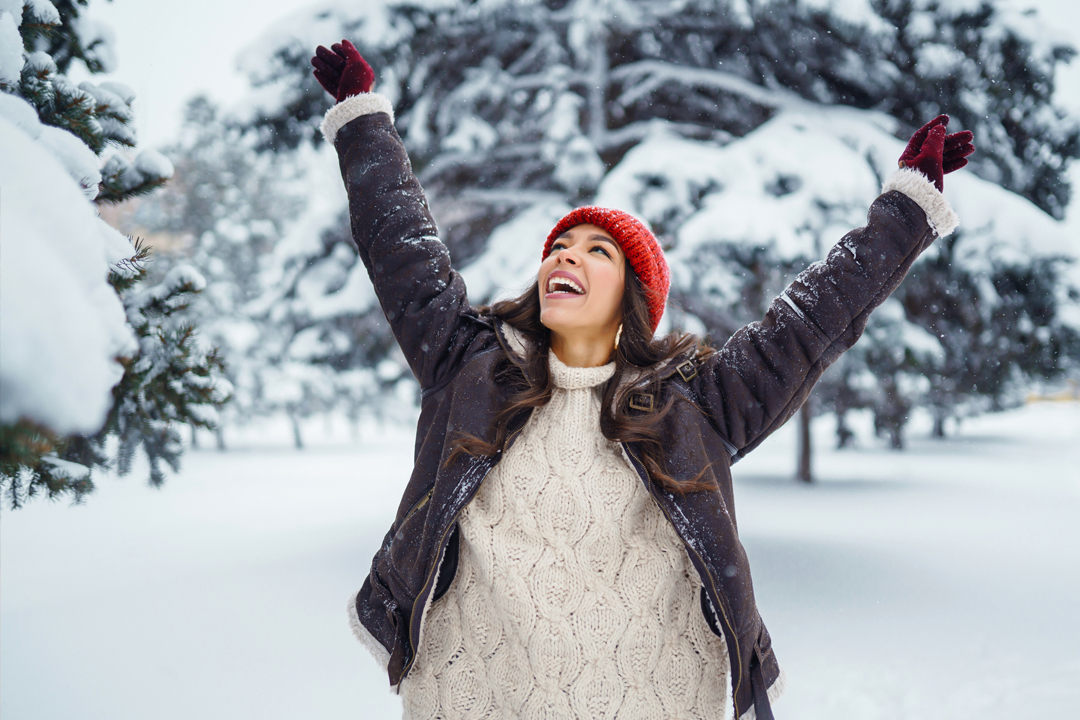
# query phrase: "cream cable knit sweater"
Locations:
[[574, 597]]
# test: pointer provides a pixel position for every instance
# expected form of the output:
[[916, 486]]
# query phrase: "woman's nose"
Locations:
[[565, 255]]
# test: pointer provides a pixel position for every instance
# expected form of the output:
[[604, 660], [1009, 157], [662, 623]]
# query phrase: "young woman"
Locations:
[[566, 546]]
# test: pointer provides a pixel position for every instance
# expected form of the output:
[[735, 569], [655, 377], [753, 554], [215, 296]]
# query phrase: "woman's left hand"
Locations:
[[935, 154]]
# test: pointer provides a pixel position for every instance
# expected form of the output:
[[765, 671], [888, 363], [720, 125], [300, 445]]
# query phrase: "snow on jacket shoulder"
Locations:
[[740, 394]]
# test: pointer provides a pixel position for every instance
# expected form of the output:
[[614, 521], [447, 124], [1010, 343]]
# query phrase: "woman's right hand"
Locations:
[[342, 70]]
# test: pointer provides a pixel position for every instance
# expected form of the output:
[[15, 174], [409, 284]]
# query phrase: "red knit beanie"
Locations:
[[638, 244]]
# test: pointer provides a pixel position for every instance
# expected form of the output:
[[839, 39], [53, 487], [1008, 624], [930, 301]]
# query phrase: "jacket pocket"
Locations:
[[417, 506], [406, 559]]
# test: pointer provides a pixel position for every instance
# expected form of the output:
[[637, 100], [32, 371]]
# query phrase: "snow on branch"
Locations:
[[647, 76], [637, 131]]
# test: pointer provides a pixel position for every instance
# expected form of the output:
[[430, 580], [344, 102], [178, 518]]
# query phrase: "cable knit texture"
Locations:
[[574, 597]]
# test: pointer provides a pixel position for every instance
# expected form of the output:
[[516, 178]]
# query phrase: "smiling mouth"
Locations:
[[563, 287]]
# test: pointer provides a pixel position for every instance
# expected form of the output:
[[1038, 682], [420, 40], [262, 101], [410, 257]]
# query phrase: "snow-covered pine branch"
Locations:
[[82, 359], [645, 77]]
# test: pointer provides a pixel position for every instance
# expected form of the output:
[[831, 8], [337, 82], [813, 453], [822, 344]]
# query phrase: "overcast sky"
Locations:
[[169, 50]]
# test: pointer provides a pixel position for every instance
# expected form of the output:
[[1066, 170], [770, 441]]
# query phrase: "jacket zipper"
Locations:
[[442, 549], [728, 627]]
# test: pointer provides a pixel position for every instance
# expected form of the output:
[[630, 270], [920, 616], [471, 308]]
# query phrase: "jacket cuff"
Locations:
[[351, 108], [916, 186], [366, 638]]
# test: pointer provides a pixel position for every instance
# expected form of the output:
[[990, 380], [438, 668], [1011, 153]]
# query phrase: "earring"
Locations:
[[618, 334]]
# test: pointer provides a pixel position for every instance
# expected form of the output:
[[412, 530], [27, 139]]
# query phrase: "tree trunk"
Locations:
[[194, 437], [804, 474], [844, 436], [219, 433], [598, 90], [939, 424], [298, 440]]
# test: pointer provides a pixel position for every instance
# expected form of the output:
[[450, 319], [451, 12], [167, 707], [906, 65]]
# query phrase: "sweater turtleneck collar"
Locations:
[[573, 378]]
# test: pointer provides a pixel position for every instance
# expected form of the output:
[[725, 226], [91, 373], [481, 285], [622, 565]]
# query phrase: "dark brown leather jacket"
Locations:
[[740, 395]]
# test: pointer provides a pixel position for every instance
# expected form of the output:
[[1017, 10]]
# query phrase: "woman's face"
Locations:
[[581, 282]]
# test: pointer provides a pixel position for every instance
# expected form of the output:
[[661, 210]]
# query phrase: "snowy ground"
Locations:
[[942, 582]]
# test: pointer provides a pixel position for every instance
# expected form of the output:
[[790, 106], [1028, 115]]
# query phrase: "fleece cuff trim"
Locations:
[[366, 638], [918, 187], [351, 108]]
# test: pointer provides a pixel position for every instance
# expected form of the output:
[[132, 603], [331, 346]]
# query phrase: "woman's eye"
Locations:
[[601, 249]]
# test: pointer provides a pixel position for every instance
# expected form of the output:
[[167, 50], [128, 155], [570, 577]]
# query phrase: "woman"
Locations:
[[566, 546]]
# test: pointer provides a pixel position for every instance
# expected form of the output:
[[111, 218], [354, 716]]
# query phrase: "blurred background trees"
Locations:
[[751, 134], [291, 309], [513, 112]]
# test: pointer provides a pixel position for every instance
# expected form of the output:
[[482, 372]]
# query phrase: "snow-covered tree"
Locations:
[[293, 340], [94, 364], [461, 72], [327, 346], [1005, 313], [229, 206], [751, 134]]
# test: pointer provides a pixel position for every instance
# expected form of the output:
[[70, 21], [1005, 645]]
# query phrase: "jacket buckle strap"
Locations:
[[641, 401], [687, 370]]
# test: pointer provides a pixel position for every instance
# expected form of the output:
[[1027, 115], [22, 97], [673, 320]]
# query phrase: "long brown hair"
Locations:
[[638, 353]]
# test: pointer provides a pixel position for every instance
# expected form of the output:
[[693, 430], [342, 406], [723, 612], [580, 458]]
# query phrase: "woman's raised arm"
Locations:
[[422, 296], [761, 376]]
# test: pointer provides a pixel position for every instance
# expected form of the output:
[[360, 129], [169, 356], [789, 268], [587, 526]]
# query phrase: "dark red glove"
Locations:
[[342, 70], [934, 154]]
